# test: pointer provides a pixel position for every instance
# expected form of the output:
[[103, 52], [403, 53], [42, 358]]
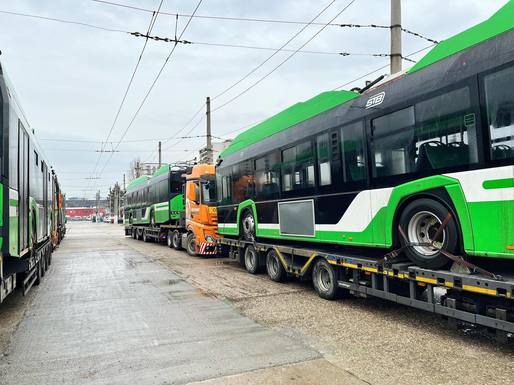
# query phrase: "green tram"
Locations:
[[430, 148], [158, 199], [30, 199]]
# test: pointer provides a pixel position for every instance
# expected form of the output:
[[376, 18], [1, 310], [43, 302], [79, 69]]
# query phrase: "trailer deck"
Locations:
[[459, 296]]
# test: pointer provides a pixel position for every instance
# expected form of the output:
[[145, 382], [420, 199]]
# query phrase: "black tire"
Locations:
[[39, 274], [139, 234], [191, 244], [145, 237], [274, 267], [420, 221], [251, 260], [248, 226], [176, 240], [134, 233], [169, 241], [324, 280]]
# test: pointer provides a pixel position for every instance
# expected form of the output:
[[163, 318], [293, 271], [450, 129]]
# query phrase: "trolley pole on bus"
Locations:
[[160, 153], [209, 137], [396, 36]]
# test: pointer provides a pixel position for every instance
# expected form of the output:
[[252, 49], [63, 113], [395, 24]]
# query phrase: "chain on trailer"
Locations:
[[477, 297]]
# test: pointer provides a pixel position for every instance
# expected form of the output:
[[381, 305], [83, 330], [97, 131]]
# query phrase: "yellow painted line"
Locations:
[[308, 263], [390, 273], [332, 262], [477, 289], [351, 265], [448, 284], [426, 280], [370, 269]]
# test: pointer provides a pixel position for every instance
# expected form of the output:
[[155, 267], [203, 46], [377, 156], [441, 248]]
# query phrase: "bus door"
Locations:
[[23, 170]]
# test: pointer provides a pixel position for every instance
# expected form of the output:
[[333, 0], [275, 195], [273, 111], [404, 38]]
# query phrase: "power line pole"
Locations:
[[209, 137], [396, 36], [160, 153]]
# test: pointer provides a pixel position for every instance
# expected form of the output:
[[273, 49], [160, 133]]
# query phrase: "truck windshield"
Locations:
[[208, 191]]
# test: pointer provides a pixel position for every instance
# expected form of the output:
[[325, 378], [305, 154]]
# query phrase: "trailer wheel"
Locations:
[[169, 241], [134, 233], [251, 260], [176, 240], [420, 220], [274, 267], [139, 234], [324, 280], [191, 244], [145, 237]]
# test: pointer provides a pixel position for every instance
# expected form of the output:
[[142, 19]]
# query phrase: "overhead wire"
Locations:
[[120, 107], [283, 61], [143, 101]]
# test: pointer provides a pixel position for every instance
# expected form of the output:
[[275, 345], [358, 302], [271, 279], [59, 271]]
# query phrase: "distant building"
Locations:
[[217, 148]]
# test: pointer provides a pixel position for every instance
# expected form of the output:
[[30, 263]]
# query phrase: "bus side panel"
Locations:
[[13, 222], [490, 199]]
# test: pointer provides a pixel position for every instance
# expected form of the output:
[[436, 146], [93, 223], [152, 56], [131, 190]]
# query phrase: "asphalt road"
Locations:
[[113, 310], [109, 313]]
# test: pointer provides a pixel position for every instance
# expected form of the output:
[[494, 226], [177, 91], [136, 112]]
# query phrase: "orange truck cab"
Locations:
[[201, 211]]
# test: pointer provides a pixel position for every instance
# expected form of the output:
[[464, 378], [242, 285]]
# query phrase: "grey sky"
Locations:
[[70, 79]]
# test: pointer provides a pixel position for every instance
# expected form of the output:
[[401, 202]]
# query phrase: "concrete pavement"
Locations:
[[105, 314]]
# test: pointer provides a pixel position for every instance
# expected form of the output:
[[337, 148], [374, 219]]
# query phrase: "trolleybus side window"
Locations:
[[393, 137], [500, 112], [322, 146], [267, 176], [298, 167], [445, 133], [352, 150], [242, 181]]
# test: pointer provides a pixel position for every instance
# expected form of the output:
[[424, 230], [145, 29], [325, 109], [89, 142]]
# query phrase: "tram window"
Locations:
[[298, 167], [267, 176], [445, 133], [322, 146], [393, 143], [352, 146], [500, 113]]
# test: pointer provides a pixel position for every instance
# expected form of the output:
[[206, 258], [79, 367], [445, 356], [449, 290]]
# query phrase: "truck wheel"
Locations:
[[324, 280], [169, 239], [145, 237], [421, 220], [176, 240], [139, 234], [251, 260], [191, 244], [134, 233], [274, 267]]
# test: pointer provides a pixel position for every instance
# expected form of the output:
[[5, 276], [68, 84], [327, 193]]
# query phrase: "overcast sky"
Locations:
[[70, 79]]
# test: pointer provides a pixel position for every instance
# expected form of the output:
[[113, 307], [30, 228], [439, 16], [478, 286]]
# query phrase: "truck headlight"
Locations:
[[209, 238]]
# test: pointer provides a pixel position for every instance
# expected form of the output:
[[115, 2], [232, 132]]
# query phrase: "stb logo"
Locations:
[[375, 100]]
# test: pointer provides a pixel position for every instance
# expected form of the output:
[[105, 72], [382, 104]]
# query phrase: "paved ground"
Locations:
[[154, 315], [106, 314]]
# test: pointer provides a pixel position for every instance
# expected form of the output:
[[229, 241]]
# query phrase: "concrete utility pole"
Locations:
[[396, 36], [209, 137], [160, 153], [97, 205]]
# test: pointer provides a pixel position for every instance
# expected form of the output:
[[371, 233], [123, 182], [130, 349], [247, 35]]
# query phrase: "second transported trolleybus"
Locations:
[[429, 151]]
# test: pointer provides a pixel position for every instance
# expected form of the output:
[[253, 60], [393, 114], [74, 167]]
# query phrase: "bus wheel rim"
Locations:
[[421, 228]]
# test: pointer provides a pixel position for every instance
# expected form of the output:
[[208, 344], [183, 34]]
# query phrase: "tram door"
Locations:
[[23, 166]]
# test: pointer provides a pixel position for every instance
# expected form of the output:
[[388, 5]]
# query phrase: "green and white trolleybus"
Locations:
[[429, 151]]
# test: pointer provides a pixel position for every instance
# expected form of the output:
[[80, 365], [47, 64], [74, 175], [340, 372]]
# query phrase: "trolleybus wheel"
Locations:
[[251, 260], [274, 267], [176, 240], [324, 279], [191, 244], [421, 220], [248, 226]]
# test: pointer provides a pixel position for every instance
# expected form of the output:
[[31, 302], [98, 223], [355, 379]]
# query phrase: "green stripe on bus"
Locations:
[[498, 183]]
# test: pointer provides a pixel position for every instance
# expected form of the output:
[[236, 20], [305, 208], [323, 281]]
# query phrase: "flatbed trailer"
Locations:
[[24, 272], [472, 298]]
